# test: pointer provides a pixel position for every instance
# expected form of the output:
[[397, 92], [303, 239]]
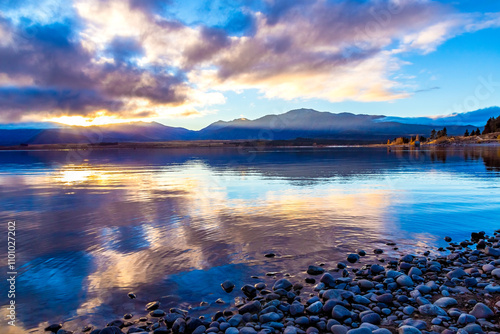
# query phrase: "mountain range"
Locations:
[[299, 123]]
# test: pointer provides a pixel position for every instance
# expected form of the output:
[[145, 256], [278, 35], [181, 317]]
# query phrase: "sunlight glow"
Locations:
[[90, 121]]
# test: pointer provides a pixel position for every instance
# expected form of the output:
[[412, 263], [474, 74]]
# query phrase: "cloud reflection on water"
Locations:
[[155, 222]]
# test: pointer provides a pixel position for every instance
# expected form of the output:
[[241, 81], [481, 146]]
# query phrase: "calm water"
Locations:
[[171, 225]]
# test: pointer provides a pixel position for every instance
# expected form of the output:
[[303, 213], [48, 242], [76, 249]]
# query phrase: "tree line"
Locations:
[[492, 125]]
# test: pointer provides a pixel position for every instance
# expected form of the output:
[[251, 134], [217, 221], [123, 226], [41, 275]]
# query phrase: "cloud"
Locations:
[[427, 89], [137, 59], [66, 78], [15, 101]]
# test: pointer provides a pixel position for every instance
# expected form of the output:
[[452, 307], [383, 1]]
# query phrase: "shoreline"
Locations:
[[243, 144], [455, 291]]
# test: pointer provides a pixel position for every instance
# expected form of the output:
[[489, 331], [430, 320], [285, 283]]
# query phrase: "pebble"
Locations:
[[227, 286], [404, 280], [315, 270], [496, 273], [353, 258], [445, 302], [338, 329], [355, 300], [315, 307], [482, 311], [408, 330]]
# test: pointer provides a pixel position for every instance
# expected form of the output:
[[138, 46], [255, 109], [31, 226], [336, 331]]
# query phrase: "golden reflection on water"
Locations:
[[212, 212], [195, 216]]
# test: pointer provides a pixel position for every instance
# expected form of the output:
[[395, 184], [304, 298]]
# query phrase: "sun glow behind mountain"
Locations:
[[95, 121]]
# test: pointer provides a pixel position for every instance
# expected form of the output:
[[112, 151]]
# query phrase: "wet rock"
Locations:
[[496, 273], [192, 324], [339, 312], [338, 329], [157, 313], [235, 320], [315, 308], [372, 318], [445, 302], [404, 280], [179, 326], [473, 329], [249, 290], [365, 284], [470, 282], [408, 330], [358, 299], [152, 306], [407, 258], [227, 286], [171, 317], [377, 269], [111, 330], [447, 239], [432, 310], [290, 330], [420, 324], [252, 307], [282, 284], [131, 295], [116, 323], [482, 311], [495, 252], [466, 319], [353, 258], [328, 280], [378, 251], [386, 298], [296, 309], [270, 255], [248, 330], [492, 288], [315, 270], [53, 328], [381, 331], [409, 310], [457, 273], [359, 331]]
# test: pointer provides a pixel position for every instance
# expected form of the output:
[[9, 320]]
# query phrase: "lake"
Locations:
[[172, 224]]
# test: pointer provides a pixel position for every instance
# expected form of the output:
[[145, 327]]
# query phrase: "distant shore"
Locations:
[[456, 141]]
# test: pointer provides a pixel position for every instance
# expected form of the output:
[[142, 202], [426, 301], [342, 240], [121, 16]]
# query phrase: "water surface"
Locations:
[[172, 224]]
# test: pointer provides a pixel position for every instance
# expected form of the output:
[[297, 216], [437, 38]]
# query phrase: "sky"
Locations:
[[191, 63]]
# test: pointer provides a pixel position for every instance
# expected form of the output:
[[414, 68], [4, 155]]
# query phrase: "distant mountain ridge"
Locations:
[[298, 123]]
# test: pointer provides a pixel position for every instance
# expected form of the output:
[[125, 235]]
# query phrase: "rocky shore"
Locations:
[[455, 291]]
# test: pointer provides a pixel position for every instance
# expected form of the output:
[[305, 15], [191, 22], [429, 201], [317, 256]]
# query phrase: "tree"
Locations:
[[466, 134], [492, 125], [478, 132], [445, 132], [433, 134]]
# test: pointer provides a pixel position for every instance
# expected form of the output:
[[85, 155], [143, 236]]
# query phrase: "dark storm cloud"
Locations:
[[16, 101]]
